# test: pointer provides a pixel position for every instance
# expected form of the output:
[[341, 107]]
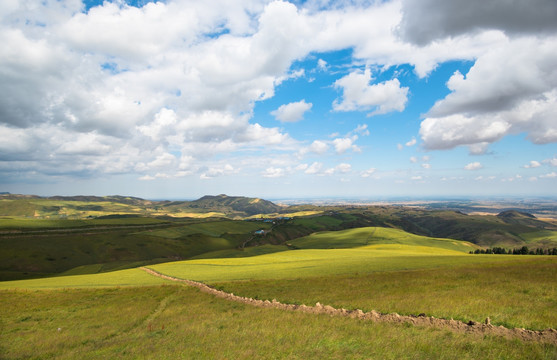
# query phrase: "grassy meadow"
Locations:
[[131, 314], [39, 248], [177, 322], [364, 236]]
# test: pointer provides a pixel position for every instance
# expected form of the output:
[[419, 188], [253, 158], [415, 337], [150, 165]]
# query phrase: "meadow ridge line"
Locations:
[[548, 335]]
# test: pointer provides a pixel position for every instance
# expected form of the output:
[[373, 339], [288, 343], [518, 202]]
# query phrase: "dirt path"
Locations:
[[548, 335]]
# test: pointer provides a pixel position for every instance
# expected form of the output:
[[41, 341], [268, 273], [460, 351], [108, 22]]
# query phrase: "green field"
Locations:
[[11, 224], [131, 314], [320, 262], [128, 277], [177, 322], [39, 248], [364, 236], [541, 238]]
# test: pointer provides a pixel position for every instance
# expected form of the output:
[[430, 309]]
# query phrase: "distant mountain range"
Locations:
[[33, 205]]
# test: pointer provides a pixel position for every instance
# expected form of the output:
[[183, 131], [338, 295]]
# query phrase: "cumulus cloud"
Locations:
[[453, 18], [367, 173], [339, 169], [273, 172], [314, 168], [217, 171], [344, 144], [147, 178], [509, 90], [361, 129], [532, 164], [359, 95], [292, 112], [318, 147], [411, 142], [550, 175], [473, 166], [552, 162], [343, 168], [165, 87]]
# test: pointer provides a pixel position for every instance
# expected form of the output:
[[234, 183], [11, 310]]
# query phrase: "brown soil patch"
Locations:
[[486, 328]]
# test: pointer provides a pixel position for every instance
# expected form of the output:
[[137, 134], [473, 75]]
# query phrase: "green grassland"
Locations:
[[328, 253], [38, 248], [79, 207], [213, 229], [48, 208], [177, 322], [131, 314], [541, 238], [11, 224], [351, 238], [127, 277], [514, 293]]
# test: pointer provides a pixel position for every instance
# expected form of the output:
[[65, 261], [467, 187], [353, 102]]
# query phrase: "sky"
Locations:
[[177, 99]]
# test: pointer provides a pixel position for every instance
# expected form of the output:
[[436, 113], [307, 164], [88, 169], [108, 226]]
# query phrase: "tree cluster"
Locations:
[[517, 251]]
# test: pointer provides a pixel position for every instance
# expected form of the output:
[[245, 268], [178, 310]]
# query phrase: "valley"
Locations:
[[89, 283]]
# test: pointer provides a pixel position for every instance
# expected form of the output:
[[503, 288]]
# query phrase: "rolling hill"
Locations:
[[79, 207], [87, 234]]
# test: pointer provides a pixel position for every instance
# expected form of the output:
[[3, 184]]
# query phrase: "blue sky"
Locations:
[[276, 99]]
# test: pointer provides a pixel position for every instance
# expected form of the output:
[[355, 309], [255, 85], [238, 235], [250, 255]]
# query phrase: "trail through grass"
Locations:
[[178, 322], [513, 294]]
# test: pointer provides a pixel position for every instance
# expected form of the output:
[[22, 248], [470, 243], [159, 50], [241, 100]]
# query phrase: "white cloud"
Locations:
[[532, 164], [473, 166], [550, 175], [411, 142], [343, 144], [413, 159], [416, 178], [162, 161], [314, 168], [478, 149], [343, 168], [399, 146], [292, 112], [359, 95], [552, 162], [168, 86], [318, 147], [367, 173], [302, 167], [273, 172], [163, 124], [509, 90], [426, 166], [361, 129], [217, 171], [452, 18]]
